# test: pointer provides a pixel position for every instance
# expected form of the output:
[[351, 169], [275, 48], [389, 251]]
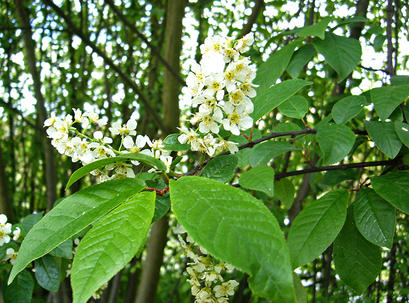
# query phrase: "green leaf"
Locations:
[[262, 153], [336, 141], [64, 250], [71, 216], [357, 261], [171, 143], [300, 58], [259, 178], [85, 170], [378, 42], [341, 53], [350, 20], [110, 245], [316, 227], [220, 168], [271, 97], [294, 107], [162, 206], [347, 108], [29, 221], [284, 191], [300, 291], [387, 98], [21, 290], [223, 218], [399, 80], [268, 72], [402, 130], [374, 217], [334, 177], [317, 29], [394, 188], [47, 272], [384, 136]]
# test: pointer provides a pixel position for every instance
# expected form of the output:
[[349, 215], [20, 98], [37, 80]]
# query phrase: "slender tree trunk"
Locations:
[[326, 259], [49, 158], [170, 101], [5, 205], [391, 278]]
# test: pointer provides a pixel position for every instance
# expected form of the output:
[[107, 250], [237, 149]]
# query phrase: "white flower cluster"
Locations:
[[221, 87], [205, 274], [70, 141], [5, 233]]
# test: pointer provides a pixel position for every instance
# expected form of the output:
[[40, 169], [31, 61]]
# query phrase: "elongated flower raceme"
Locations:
[[220, 87], [78, 138]]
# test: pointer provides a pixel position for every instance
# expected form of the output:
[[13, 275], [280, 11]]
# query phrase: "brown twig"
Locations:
[[336, 167]]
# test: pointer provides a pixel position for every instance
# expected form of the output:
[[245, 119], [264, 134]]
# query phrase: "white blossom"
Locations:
[[5, 230], [11, 255]]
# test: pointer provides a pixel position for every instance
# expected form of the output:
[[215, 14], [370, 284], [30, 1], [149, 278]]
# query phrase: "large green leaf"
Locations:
[[341, 53], [384, 136], [264, 152], [387, 98], [111, 244], [357, 261], [259, 178], [374, 217], [21, 290], [64, 250], [271, 97], [294, 107], [394, 188], [347, 108], [238, 229], [402, 130], [268, 72], [336, 141], [400, 80], [221, 168], [47, 272], [85, 170], [317, 29], [284, 191], [71, 216], [301, 57], [316, 227]]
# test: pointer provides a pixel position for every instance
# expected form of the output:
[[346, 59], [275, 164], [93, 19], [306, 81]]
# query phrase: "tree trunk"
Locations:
[[5, 205], [49, 158], [170, 101]]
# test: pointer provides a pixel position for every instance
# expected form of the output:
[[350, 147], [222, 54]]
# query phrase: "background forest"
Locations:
[[130, 59]]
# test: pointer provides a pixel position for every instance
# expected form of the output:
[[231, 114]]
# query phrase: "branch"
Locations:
[[154, 50], [252, 18], [335, 167], [75, 30], [266, 138], [252, 143], [18, 112], [374, 69]]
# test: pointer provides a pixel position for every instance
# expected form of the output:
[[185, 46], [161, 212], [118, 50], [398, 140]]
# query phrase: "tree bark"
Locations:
[[5, 205], [170, 101], [391, 279], [49, 157]]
